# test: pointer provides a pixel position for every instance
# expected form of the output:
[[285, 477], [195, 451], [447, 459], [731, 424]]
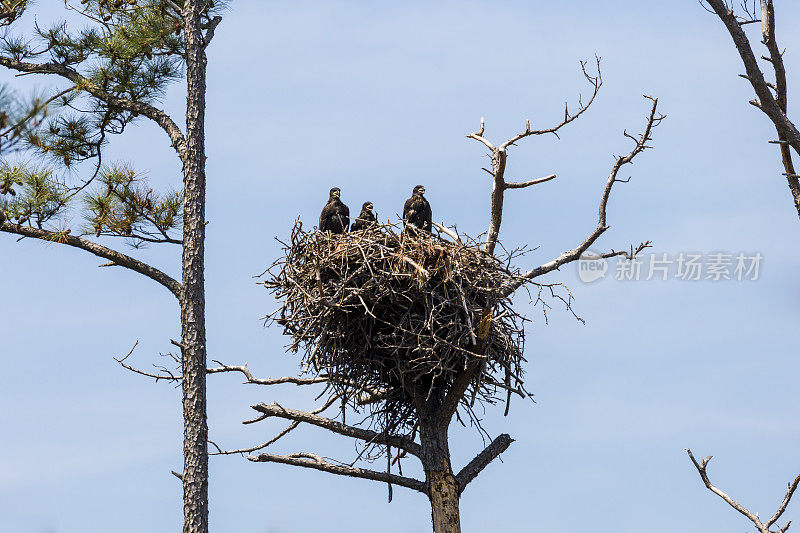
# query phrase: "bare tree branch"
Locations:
[[478, 136], [482, 460], [499, 156], [311, 460], [447, 231], [168, 375], [522, 185], [786, 499], [261, 381], [291, 427], [753, 517], [367, 435], [701, 469], [774, 107], [116, 258], [212, 27], [575, 254], [83, 83], [629, 255], [164, 373], [369, 396], [596, 81]]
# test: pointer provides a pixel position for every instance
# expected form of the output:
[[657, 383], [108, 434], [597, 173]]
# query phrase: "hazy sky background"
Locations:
[[375, 97]]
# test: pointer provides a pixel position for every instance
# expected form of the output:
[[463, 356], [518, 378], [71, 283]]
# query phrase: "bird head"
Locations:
[[367, 207], [419, 189], [336, 192]]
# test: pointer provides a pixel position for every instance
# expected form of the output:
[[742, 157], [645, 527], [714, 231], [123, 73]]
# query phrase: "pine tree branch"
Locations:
[[82, 83], [116, 258], [482, 460], [311, 460], [367, 435]]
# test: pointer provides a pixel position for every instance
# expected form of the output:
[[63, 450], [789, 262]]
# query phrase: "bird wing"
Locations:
[[325, 216], [408, 207], [344, 213], [428, 214]]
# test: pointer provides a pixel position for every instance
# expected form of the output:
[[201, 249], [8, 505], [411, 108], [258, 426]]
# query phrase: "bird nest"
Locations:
[[392, 318]]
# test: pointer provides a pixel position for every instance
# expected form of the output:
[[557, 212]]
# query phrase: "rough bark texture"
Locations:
[[498, 189], [442, 486], [195, 432], [772, 106], [768, 32], [444, 502]]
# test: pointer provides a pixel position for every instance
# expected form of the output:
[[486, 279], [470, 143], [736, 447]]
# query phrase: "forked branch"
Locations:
[[499, 155], [763, 527], [288, 429], [653, 120]]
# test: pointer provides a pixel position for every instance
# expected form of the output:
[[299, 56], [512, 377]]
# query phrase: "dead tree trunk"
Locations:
[[443, 490]]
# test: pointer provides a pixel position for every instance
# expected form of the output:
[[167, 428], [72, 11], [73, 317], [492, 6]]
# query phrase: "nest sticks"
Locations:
[[391, 318]]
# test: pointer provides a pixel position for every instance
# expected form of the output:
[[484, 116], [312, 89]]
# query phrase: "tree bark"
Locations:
[[195, 431], [442, 486]]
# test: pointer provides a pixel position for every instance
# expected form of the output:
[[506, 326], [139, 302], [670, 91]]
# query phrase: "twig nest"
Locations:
[[392, 318]]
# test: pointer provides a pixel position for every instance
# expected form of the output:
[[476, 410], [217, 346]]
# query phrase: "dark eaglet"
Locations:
[[365, 219], [335, 216], [417, 210]]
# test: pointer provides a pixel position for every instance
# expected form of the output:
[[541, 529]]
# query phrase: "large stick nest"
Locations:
[[392, 318]]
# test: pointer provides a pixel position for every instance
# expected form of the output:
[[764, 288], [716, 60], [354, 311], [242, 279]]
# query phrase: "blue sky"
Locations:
[[374, 98]]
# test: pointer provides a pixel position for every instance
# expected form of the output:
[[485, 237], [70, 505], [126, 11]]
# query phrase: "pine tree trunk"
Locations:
[[443, 489], [195, 431]]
